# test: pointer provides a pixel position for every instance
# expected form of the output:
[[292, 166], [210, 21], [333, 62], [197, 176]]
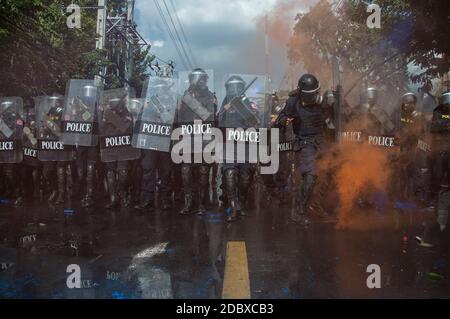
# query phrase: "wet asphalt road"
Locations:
[[124, 253]]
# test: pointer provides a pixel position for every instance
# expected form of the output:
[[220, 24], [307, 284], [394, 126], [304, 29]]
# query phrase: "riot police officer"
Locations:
[[409, 124], [237, 175], [304, 107], [30, 164], [159, 110], [54, 155], [198, 108], [116, 129], [11, 131], [81, 131], [440, 129]]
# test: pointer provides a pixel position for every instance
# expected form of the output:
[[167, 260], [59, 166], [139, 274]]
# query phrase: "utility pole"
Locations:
[[129, 59], [267, 51], [337, 90], [101, 31]]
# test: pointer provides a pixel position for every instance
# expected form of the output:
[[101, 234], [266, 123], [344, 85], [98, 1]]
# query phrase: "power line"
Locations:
[[163, 18], [183, 33], [178, 35]]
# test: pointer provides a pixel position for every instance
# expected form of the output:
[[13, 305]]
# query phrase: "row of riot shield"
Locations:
[[121, 125]]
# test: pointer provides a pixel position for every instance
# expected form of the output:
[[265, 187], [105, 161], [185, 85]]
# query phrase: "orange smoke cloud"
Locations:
[[281, 19], [363, 170]]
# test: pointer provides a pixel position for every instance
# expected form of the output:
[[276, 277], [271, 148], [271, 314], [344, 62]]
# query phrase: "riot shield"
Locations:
[[30, 141], [244, 121], [196, 114], [79, 125], [11, 129], [153, 129], [116, 126], [49, 112]]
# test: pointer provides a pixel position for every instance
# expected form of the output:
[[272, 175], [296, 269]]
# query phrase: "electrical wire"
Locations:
[[178, 35], [163, 18]]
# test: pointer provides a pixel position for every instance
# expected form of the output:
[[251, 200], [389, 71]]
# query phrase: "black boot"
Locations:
[[50, 184], [188, 207], [186, 174], [61, 177], [136, 177], [214, 190], [243, 195], [15, 185], [230, 187], [112, 190], [146, 204], [88, 199], [80, 182], [123, 188], [148, 192], [36, 183], [166, 202], [299, 216], [204, 190]]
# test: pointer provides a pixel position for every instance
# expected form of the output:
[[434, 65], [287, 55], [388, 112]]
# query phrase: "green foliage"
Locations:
[[411, 33], [39, 53]]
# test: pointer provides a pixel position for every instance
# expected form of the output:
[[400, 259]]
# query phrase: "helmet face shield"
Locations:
[[161, 89], [409, 101], [198, 79], [56, 101], [408, 107], [135, 106], [235, 86], [372, 96]]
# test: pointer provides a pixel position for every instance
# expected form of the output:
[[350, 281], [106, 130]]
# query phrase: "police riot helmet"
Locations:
[[235, 86], [89, 91], [161, 87], [409, 101], [309, 89], [6, 104], [409, 98], [444, 98], [56, 101], [372, 95], [198, 78]]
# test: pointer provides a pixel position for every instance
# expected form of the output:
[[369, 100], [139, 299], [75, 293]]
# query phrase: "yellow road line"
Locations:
[[236, 282]]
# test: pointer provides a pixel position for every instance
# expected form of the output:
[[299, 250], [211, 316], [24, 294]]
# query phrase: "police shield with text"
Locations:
[[31, 164], [11, 131], [152, 134], [80, 129], [116, 132], [304, 106], [242, 113], [196, 117], [79, 113], [55, 155]]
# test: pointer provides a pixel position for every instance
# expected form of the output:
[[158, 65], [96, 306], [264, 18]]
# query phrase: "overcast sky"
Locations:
[[225, 35]]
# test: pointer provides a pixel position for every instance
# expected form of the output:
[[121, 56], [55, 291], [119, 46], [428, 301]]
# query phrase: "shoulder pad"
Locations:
[[294, 93]]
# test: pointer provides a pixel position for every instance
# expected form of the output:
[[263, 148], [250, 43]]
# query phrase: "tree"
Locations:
[[411, 33], [39, 53]]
